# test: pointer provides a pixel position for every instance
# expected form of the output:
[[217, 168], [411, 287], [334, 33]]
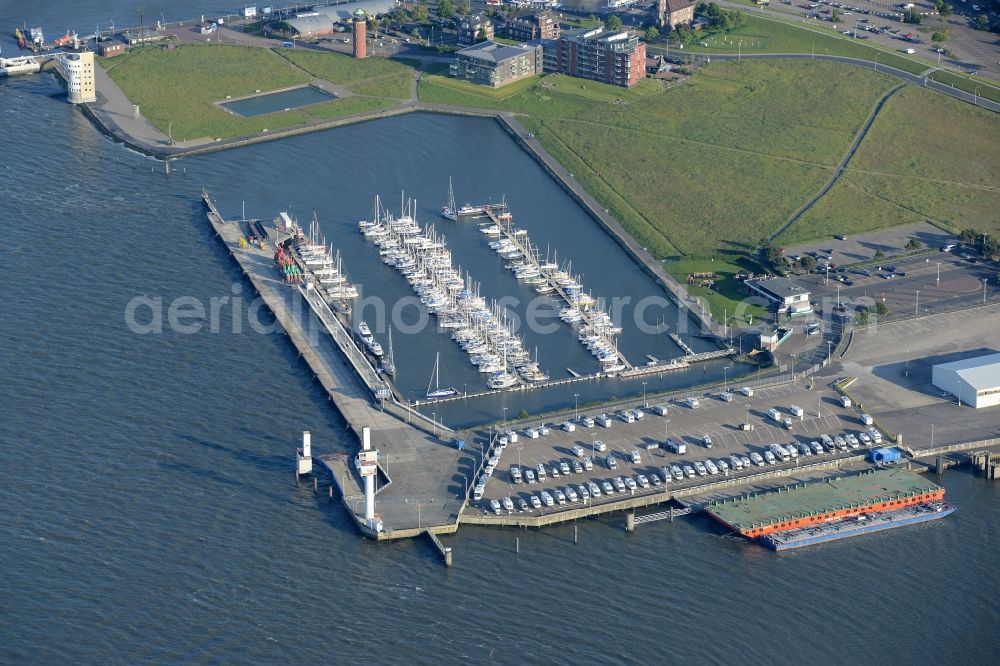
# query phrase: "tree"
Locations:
[[912, 16], [613, 23], [523, 414], [808, 262], [684, 33], [419, 13], [481, 35], [879, 254], [652, 34], [770, 252], [991, 248], [445, 9], [913, 244], [835, 16], [880, 308], [463, 7], [968, 236], [943, 8], [940, 37], [982, 22]]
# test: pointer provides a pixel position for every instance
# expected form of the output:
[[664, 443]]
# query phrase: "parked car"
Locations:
[[610, 461], [676, 472], [735, 461], [620, 484], [608, 488], [816, 447], [578, 451], [508, 504], [588, 464], [769, 458], [689, 471], [559, 495], [564, 468], [540, 470], [529, 475], [595, 490], [587, 422], [757, 459], [707, 441], [584, 492], [522, 505], [600, 446], [547, 498], [495, 506], [630, 483], [554, 472], [535, 502], [865, 438], [654, 478], [643, 481], [700, 468], [571, 494], [711, 467], [577, 467]]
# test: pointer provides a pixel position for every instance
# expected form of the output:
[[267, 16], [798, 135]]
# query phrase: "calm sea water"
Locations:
[[146, 494]]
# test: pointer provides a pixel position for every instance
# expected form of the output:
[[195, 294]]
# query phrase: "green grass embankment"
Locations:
[[178, 89]]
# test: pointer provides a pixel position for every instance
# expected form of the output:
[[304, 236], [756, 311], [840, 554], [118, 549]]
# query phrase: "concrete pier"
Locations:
[[426, 492]]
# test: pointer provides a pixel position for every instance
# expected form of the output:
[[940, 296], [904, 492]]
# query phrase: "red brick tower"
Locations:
[[360, 43]]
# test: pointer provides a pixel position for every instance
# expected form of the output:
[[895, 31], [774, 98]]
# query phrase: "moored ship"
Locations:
[[839, 507]]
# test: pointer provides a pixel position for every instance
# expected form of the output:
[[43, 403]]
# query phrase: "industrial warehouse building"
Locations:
[[320, 20], [975, 381]]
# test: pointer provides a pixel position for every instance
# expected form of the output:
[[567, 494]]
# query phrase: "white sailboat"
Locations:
[[389, 364], [450, 212], [437, 391]]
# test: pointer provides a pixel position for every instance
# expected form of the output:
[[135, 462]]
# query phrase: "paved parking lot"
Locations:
[[893, 365], [715, 418], [945, 280], [862, 247]]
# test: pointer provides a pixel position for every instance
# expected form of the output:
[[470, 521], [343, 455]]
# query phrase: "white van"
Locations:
[[845, 401], [774, 414], [692, 403], [747, 391], [796, 411], [604, 421], [660, 410]]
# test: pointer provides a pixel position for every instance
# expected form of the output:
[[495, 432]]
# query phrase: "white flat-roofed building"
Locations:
[[789, 297], [974, 381]]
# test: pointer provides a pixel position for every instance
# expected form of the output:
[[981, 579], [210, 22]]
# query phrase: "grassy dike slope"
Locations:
[[702, 168], [926, 157]]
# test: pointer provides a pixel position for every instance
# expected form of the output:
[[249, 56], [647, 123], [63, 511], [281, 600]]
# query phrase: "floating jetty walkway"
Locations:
[[524, 247], [420, 474]]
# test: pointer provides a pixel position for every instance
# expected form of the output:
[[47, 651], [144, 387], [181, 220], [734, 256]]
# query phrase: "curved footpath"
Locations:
[[862, 133]]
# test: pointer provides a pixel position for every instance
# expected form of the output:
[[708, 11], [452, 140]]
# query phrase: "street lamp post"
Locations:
[[932, 435], [644, 395], [975, 95], [984, 291], [725, 378], [916, 305], [938, 283], [435, 421], [505, 418], [576, 406]]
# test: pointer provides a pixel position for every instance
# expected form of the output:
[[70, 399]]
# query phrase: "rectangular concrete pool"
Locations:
[[279, 101]]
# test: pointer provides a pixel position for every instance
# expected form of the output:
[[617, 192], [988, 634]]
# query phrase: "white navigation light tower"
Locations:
[[303, 457], [368, 467]]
